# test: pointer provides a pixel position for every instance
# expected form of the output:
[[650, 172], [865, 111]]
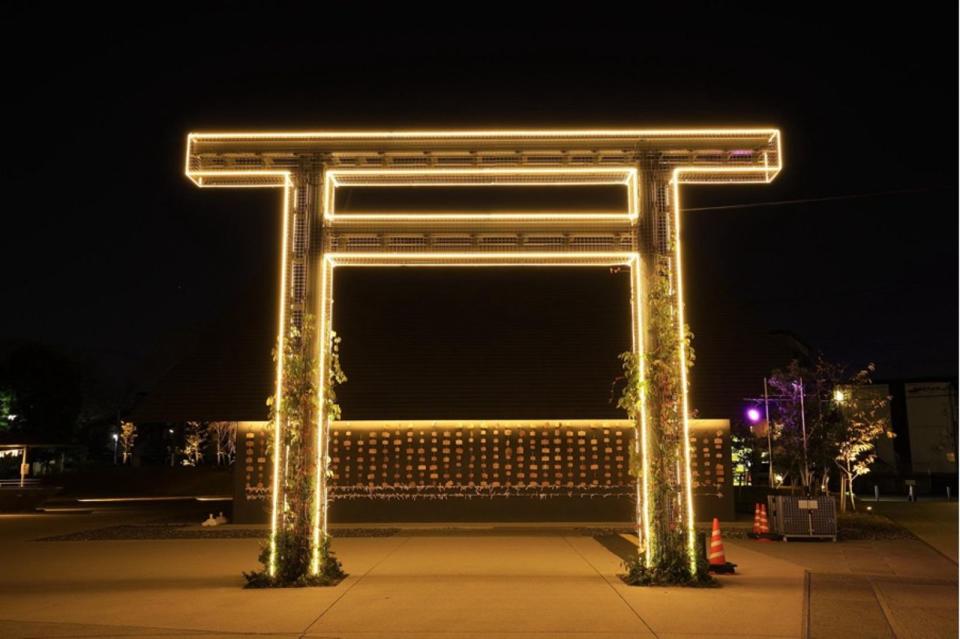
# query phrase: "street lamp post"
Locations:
[[753, 414], [803, 428], [24, 467], [766, 415]]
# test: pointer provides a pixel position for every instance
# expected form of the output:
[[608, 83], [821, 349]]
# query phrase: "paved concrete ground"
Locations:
[[899, 588], [935, 522], [904, 588], [475, 584]]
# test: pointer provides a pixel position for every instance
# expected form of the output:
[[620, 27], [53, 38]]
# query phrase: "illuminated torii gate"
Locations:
[[309, 167]]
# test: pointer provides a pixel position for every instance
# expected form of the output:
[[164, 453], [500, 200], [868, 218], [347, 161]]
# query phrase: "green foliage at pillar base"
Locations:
[[670, 570], [293, 566]]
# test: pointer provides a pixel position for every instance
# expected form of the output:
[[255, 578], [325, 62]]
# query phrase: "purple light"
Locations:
[[753, 415]]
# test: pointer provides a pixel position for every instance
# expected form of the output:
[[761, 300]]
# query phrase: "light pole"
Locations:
[[766, 415], [753, 414], [24, 468], [803, 428]]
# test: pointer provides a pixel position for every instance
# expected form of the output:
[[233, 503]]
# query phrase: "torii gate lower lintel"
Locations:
[[309, 167]]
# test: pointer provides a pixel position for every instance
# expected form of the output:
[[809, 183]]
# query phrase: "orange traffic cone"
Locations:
[[764, 526], [756, 519], [716, 557]]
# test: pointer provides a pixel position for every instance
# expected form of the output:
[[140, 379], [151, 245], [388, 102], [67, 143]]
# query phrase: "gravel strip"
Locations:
[[188, 531]]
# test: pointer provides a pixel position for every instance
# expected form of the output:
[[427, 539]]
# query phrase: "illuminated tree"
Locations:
[[128, 436], [806, 420], [224, 435], [825, 421], [863, 421], [194, 438]]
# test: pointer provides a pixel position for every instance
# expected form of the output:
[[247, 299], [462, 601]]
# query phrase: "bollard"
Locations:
[[876, 493], [910, 496]]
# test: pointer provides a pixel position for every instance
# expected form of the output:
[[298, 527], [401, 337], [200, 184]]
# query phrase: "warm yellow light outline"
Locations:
[[640, 442], [619, 175], [622, 135], [676, 179], [681, 336], [287, 184], [494, 133], [323, 343], [631, 259], [387, 259], [281, 336], [482, 258], [489, 424], [768, 173], [531, 216]]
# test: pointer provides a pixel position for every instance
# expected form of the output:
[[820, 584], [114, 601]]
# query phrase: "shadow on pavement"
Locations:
[[617, 545]]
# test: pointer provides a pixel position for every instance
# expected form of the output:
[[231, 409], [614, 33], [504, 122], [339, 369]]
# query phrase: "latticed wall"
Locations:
[[470, 459], [481, 459]]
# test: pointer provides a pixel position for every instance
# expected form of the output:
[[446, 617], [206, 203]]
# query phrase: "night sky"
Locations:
[[110, 255]]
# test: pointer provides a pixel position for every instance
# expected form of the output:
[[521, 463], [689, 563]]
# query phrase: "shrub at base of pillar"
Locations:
[[293, 564], [669, 569]]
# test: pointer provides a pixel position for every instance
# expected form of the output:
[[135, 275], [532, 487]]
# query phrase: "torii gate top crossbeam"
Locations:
[[266, 159]]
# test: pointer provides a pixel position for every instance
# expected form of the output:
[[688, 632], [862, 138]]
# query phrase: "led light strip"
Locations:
[[489, 424], [493, 176], [480, 258], [532, 216], [281, 338], [761, 132], [324, 321], [641, 441], [367, 177], [682, 344], [676, 179], [631, 259], [768, 136], [283, 179]]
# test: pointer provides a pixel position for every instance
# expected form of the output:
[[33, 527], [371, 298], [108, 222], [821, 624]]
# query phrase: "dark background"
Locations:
[[111, 257]]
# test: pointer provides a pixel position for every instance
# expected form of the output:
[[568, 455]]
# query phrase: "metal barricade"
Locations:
[[796, 517]]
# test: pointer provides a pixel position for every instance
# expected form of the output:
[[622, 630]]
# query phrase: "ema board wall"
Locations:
[[485, 471]]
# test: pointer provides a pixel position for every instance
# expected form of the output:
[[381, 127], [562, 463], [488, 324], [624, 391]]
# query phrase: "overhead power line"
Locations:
[[827, 198]]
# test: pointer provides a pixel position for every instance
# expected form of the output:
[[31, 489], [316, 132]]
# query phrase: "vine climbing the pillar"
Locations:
[[291, 557]]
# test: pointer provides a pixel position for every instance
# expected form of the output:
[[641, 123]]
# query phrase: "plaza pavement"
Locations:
[[935, 522], [494, 582]]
